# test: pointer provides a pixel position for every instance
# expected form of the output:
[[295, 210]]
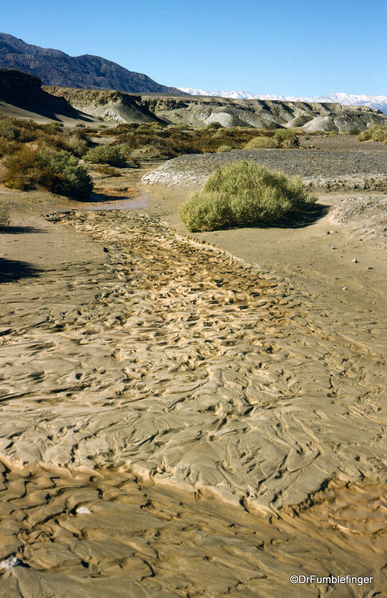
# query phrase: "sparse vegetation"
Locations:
[[244, 194], [56, 171], [374, 133], [107, 170]]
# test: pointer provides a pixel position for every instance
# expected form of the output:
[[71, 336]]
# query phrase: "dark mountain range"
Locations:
[[54, 67]]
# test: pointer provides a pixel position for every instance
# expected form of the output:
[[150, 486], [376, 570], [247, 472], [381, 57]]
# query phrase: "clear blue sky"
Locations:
[[282, 47]]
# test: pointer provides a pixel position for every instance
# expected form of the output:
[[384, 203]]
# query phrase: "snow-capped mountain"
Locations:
[[346, 99]]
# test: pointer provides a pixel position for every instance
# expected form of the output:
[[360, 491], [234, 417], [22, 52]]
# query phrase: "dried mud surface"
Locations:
[[108, 533], [175, 421], [170, 368]]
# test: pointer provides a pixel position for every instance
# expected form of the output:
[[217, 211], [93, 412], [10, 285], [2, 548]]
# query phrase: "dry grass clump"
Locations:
[[4, 216], [244, 194], [281, 138], [7, 148], [56, 171], [374, 133], [262, 143], [70, 142], [107, 170]]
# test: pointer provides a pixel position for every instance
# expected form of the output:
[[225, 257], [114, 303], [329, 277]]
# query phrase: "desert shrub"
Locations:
[[7, 148], [4, 215], [224, 148], [8, 130], [261, 143], [72, 143], [365, 135], [207, 210], [75, 145], [107, 170], [106, 154], [244, 194], [124, 148], [55, 127], [283, 134], [57, 171], [145, 127], [374, 133], [213, 127]]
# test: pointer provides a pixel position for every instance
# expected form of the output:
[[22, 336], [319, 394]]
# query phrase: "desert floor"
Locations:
[[191, 414]]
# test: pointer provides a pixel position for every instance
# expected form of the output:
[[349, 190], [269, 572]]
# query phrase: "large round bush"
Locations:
[[244, 194]]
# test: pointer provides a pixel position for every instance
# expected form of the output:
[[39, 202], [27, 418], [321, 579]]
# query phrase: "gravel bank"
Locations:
[[330, 170]]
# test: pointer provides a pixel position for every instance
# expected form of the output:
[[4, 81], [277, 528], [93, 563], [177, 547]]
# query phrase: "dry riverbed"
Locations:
[[196, 415]]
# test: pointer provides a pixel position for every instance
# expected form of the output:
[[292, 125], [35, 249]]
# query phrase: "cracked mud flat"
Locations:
[[176, 384]]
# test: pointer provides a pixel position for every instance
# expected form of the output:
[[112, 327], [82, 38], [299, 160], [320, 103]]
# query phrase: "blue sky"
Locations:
[[282, 47]]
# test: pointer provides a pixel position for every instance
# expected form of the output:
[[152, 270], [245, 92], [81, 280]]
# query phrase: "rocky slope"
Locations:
[[57, 68], [108, 105], [25, 91], [199, 111]]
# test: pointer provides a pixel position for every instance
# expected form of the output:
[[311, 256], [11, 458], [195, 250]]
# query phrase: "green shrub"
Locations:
[[224, 148], [283, 134], [57, 171], [374, 133], [244, 194], [106, 154], [261, 143]]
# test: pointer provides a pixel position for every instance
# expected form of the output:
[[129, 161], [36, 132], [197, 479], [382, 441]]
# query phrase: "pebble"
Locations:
[[83, 511], [10, 563]]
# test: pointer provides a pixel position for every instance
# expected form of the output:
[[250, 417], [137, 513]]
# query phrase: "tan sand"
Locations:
[[192, 404]]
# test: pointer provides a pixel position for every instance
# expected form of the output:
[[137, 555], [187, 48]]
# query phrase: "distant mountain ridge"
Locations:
[[375, 102], [54, 67]]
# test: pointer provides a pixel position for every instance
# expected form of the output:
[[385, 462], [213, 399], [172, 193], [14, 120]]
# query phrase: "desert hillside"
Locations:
[[199, 111]]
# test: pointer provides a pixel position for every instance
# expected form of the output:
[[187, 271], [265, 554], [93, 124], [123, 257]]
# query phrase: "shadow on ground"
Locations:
[[302, 219], [19, 230], [12, 270]]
